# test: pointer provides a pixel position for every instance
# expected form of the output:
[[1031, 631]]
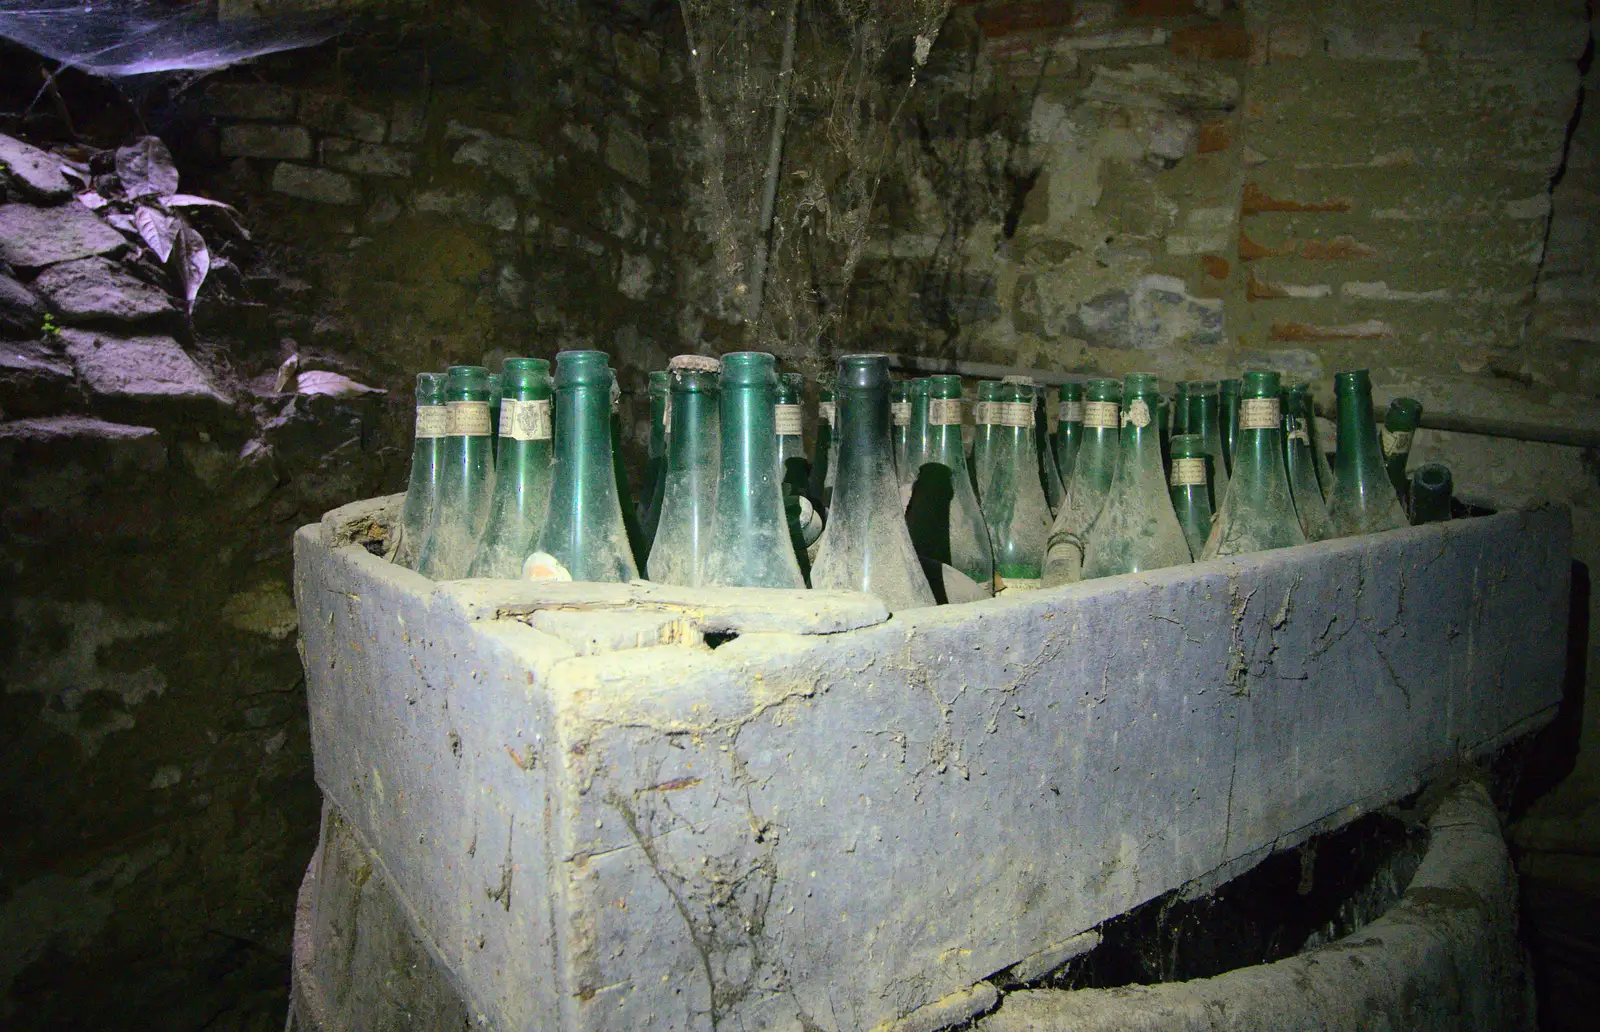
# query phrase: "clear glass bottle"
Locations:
[[866, 545], [900, 426], [1190, 486], [1095, 465], [689, 499], [824, 457], [422, 489], [1431, 488], [1015, 506], [750, 540], [522, 471], [1229, 392], [1137, 528], [1069, 430], [466, 480], [655, 458], [1399, 427], [916, 434], [1049, 476], [584, 531], [1205, 420], [1300, 463], [1257, 513], [983, 435], [943, 515], [1363, 500]]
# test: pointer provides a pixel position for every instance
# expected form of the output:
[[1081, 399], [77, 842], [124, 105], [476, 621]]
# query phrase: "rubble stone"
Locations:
[[20, 311], [115, 447], [36, 173], [314, 184], [289, 142], [94, 289], [34, 378], [140, 369], [31, 238]]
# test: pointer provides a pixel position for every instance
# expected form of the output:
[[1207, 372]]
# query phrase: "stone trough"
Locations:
[[584, 807]]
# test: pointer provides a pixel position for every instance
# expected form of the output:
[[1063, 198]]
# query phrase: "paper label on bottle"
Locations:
[[1100, 414], [825, 411], [944, 411], [1070, 412], [1137, 413], [467, 419], [1258, 414], [983, 413], [1188, 473], [666, 416], [432, 421], [1396, 441], [901, 411], [788, 417], [1003, 584], [525, 420], [1298, 431], [1013, 413]]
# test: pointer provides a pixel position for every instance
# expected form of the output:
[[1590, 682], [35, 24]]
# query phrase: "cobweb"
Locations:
[[139, 37], [854, 63]]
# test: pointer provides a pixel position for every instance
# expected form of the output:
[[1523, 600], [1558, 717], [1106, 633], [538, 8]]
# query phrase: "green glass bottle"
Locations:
[[1363, 500], [584, 531], [1190, 486], [1180, 408], [422, 490], [1137, 528], [900, 426], [983, 435], [1399, 427], [496, 389], [1300, 462], [866, 545], [1069, 430], [917, 434], [1205, 420], [466, 480], [1092, 471], [750, 540], [522, 471], [823, 457], [943, 515], [689, 499], [1319, 448], [1015, 507], [790, 420], [1049, 476], [1431, 488], [655, 457], [1230, 423], [1257, 513], [630, 514]]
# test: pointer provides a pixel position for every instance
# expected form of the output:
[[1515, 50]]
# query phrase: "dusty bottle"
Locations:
[[1300, 462], [1431, 487], [1257, 513], [1015, 506], [1189, 483], [866, 546], [983, 435], [789, 416], [584, 532], [522, 471], [1230, 422], [496, 390], [422, 490], [1363, 500], [750, 540], [1049, 476], [466, 477], [1205, 420], [1069, 430], [900, 413], [1180, 408], [943, 515], [823, 457], [1399, 427], [916, 434], [689, 498], [630, 514], [1137, 528], [1319, 448], [655, 457], [1096, 464]]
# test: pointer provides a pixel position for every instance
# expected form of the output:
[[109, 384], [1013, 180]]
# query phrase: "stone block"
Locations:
[[33, 237], [21, 313], [96, 290], [408, 120], [327, 113], [60, 440], [260, 140], [627, 154], [253, 100], [314, 184], [1215, 41], [1157, 312], [1153, 86], [34, 379], [77, 480], [495, 212], [525, 164], [141, 371], [368, 159], [36, 173]]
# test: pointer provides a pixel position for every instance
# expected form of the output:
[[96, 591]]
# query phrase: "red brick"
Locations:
[[1370, 330], [1216, 42], [1257, 289], [1257, 200], [1216, 266], [1214, 136], [1003, 19], [1159, 8], [1340, 248]]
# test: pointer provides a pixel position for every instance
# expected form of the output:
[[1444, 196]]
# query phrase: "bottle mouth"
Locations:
[[583, 369], [944, 386], [863, 372], [1229, 387], [659, 380], [430, 388], [1188, 446], [1260, 383], [989, 390], [464, 381], [1071, 391], [1403, 414], [693, 363], [1203, 388], [1433, 475], [1352, 380], [749, 369], [1105, 390], [1140, 383]]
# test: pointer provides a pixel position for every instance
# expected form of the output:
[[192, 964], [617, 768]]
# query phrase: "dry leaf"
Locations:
[[231, 214], [335, 385], [145, 167], [191, 261], [122, 222], [286, 373], [157, 230], [91, 200]]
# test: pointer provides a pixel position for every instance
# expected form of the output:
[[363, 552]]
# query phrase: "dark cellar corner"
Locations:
[[1093, 188]]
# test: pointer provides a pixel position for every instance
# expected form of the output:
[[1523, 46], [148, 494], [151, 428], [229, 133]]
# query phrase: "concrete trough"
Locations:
[[583, 807]]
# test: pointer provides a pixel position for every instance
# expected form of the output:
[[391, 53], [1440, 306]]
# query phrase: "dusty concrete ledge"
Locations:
[[1444, 958]]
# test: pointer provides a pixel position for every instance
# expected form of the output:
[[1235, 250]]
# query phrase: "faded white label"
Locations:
[[902, 412], [1012, 413], [432, 421], [825, 412], [1298, 431], [1188, 473], [1003, 584], [788, 417], [1100, 414], [1137, 413], [983, 412], [944, 411], [1396, 441], [1070, 412], [525, 420], [1258, 413], [666, 415], [467, 419]]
